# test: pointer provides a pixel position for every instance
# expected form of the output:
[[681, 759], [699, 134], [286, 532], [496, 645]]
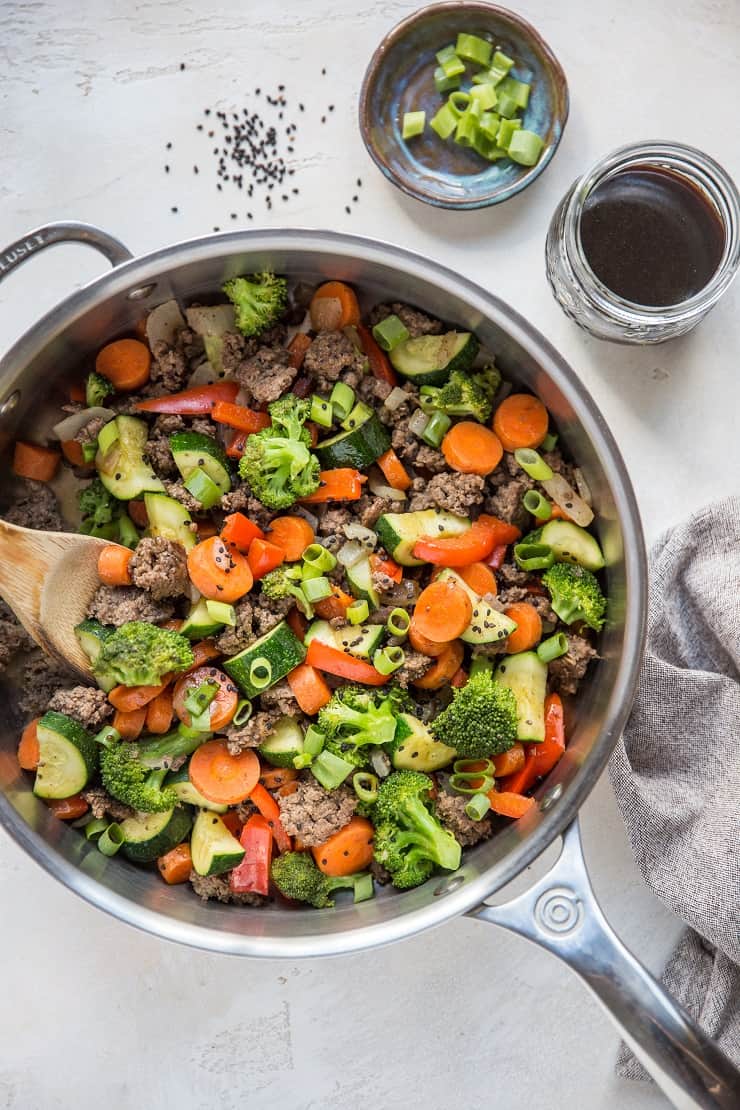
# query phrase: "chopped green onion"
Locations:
[[471, 783], [89, 451], [313, 741], [111, 840], [390, 332], [553, 648], [388, 659], [365, 786], [243, 712], [108, 736], [443, 83], [202, 487], [108, 436], [330, 770], [319, 557], [518, 90], [358, 611], [487, 148], [398, 622], [488, 125], [537, 505], [359, 415], [506, 105], [302, 761], [444, 122], [533, 464], [446, 53], [199, 697], [502, 61], [221, 612], [478, 806], [413, 123], [525, 147], [436, 429], [190, 733], [322, 412], [260, 673], [506, 129], [473, 49], [458, 102], [549, 442], [94, 828], [473, 767], [316, 589], [467, 129], [485, 95], [452, 67], [533, 556], [127, 534], [364, 888], [342, 399]]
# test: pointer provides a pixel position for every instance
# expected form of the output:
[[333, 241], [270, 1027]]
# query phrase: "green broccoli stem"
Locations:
[[481, 664], [424, 832], [174, 745], [155, 778]]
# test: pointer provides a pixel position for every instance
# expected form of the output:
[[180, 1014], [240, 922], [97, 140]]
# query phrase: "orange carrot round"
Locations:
[[528, 631], [68, 809], [508, 762], [125, 363], [335, 606], [113, 563], [423, 643], [221, 777], [292, 534], [129, 724], [394, 471], [72, 451], [28, 748], [442, 611], [220, 572], [472, 448], [479, 577], [520, 421], [203, 652], [175, 866], [32, 461], [334, 306], [346, 851], [272, 778], [223, 706], [443, 669], [130, 698], [159, 713]]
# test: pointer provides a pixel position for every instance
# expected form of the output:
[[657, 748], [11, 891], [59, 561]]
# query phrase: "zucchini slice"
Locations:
[[68, 757], [282, 650], [360, 579], [213, 848], [199, 623], [416, 748], [283, 744], [123, 469], [487, 625], [359, 447], [191, 451], [170, 519], [149, 835], [430, 359], [91, 635], [187, 793], [358, 640], [398, 532], [526, 675], [572, 544]]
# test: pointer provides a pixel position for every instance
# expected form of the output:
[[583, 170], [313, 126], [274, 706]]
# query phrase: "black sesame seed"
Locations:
[[174, 208], [355, 199], [347, 209], [182, 66], [359, 182], [169, 146], [166, 169]]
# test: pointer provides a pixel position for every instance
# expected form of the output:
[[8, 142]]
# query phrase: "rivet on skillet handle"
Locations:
[[561, 914], [51, 234]]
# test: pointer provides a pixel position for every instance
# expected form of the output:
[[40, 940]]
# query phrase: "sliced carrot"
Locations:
[[520, 421], [125, 363], [137, 512], [221, 777], [175, 866], [32, 461], [220, 572], [444, 668], [480, 578], [203, 651], [293, 534], [240, 417], [130, 725], [28, 748], [506, 804], [159, 713], [297, 623], [472, 448], [378, 361], [423, 643], [528, 631], [335, 606], [130, 698], [239, 530], [72, 451], [272, 778], [394, 471], [508, 762], [333, 307], [386, 566], [113, 564], [459, 678], [222, 708], [342, 484], [442, 611], [346, 851], [68, 809], [297, 348], [334, 661], [308, 688], [263, 557]]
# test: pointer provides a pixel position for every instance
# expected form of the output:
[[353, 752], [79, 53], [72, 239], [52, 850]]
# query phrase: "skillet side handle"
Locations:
[[560, 913], [51, 234]]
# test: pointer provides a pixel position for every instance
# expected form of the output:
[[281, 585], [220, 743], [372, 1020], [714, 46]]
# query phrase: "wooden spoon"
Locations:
[[48, 579]]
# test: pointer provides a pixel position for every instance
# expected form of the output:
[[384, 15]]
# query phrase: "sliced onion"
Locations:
[[204, 374], [350, 553], [381, 489], [380, 763], [214, 319], [418, 422], [582, 486], [569, 501], [366, 536], [163, 323], [396, 398], [69, 427]]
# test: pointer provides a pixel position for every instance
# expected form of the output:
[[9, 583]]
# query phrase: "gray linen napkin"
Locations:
[[676, 772]]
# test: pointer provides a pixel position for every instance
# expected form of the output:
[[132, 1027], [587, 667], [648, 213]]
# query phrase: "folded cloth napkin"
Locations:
[[676, 772]]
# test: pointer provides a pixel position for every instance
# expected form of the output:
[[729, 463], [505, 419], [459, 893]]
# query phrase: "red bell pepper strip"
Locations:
[[342, 484], [270, 810], [459, 678], [240, 530], [333, 661], [237, 443], [252, 875], [263, 557], [539, 759], [473, 546], [506, 804], [380, 366], [239, 416], [200, 399], [386, 566], [498, 556]]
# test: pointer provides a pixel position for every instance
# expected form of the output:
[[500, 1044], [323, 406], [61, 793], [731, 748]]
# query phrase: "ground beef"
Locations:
[[36, 507], [101, 803], [380, 873], [556, 462], [216, 888], [252, 734], [167, 423], [169, 367], [453, 492], [160, 567], [314, 814], [240, 499], [368, 508], [267, 374], [416, 322], [428, 459], [513, 594], [565, 673], [204, 427], [85, 704], [233, 350], [233, 640], [505, 502], [157, 453], [276, 336], [450, 809], [179, 493], [119, 604], [414, 666], [509, 574], [41, 677], [331, 527], [372, 390], [13, 636], [279, 698], [268, 613], [89, 432], [330, 355], [405, 408]]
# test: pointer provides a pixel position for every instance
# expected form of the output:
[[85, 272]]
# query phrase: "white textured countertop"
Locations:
[[99, 1015]]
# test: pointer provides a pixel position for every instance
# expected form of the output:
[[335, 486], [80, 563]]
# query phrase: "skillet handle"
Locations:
[[561, 914], [51, 234]]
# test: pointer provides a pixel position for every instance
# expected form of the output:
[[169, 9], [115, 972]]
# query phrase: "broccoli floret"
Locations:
[[353, 720], [134, 773], [409, 840], [259, 301], [575, 595], [481, 719], [488, 379], [459, 396], [97, 388], [97, 506], [285, 581], [276, 461], [139, 654], [296, 876]]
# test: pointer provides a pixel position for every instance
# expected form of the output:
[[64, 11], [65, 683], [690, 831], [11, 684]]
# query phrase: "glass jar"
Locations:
[[594, 306]]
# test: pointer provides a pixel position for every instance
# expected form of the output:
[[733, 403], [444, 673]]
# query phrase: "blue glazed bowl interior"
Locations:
[[400, 78]]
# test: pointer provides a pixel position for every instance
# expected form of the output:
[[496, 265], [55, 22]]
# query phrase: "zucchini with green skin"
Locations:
[[526, 676], [123, 470], [358, 447], [149, 835], [416, 749], [430, 359], [357, 640], [487, 625], [360, 579], [68, 757], [282, 650], [199, 623], [187, 793], [91, 635], [192, 451], [170, 519], [284, 743], [213, 848], [399, 532], [572, 544]]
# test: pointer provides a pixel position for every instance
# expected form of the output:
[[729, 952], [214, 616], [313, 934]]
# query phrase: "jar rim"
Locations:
[[701, 170]]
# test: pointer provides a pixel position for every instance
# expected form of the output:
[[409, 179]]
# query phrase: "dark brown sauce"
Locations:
[[651, 237]]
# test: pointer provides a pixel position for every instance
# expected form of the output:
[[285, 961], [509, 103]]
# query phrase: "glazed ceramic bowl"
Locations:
[[400, 78]]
